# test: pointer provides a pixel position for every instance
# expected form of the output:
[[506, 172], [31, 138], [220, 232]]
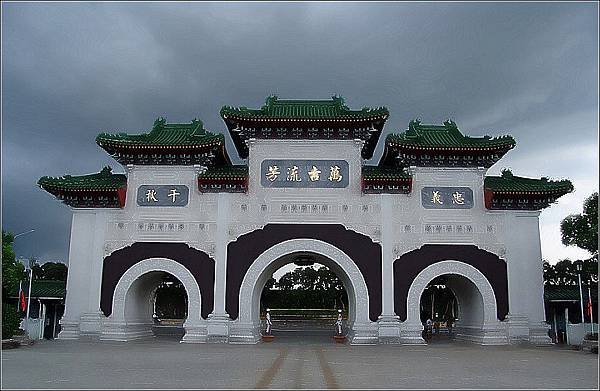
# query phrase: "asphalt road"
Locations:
[[295, 361]]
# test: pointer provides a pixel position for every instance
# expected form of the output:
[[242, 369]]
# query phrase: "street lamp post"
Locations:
[[591, 306], [23, 233], [579, 266], [30, 280], [29, 297]]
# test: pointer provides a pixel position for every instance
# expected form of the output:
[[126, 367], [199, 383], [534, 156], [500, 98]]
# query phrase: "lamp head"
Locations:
[[578, 264]]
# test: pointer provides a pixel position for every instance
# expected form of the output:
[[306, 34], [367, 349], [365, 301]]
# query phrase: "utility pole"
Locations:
[[579, 265], [29, 297], [591, 306]]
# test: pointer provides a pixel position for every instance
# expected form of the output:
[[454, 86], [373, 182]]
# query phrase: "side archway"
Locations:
[[484, 288], [132, 305], [409, 265], [198, 263], [127, 304]]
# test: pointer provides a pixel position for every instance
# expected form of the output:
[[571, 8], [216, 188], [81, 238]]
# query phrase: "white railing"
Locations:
[[576, 332]]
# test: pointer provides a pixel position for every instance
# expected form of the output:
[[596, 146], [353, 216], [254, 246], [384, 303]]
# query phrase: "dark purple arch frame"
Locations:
[[197, 262], [409, 265], [360, 248]]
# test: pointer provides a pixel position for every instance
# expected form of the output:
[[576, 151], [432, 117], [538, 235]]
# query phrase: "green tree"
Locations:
[[581, 230], [307, 287], [565, 272], [12, 270], [55, 271], [10, 320]]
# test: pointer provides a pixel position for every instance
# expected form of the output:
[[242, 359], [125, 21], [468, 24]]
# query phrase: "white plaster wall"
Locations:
[[470, 302], [399, 222], [525, 270]]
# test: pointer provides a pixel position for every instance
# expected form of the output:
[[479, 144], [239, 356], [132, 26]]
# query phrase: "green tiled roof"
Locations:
[[567, 292], [385, 173], [44, 288], [509, 183], [304, 110], [225, 173], [445, 137], [164, 135], [105, 180]]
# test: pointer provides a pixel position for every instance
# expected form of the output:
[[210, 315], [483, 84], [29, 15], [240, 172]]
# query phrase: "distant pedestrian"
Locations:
[[428, 326], [268, 321]]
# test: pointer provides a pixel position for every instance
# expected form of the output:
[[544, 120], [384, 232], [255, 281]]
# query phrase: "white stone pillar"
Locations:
[[218, 320], [92, 318], [525, 278], [388, 322], [76, 301]]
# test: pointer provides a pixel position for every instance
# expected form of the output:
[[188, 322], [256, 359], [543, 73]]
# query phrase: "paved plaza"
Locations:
[[293, 362]]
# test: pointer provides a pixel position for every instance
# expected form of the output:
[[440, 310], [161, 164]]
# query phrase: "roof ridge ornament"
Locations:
[[106, 171], [159, 123], [414, 124], [450, 124]]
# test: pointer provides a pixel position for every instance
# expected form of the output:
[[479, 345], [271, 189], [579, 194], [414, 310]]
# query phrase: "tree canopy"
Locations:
[[565, 272], [305, 287], [581, 230], [56, 271], [12, 270]]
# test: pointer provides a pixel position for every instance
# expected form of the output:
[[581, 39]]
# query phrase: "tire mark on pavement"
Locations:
[[270, 373], [326, 369], [298, 370]]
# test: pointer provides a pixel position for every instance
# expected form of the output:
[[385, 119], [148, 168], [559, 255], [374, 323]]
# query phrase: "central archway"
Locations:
[[246, 329]]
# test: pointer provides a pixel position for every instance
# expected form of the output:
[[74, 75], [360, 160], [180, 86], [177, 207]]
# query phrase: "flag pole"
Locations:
[[591, 307], [29, 299], [19, 299]]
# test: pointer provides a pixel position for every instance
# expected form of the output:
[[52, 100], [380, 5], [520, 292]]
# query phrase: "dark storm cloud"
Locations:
[[71, 71]]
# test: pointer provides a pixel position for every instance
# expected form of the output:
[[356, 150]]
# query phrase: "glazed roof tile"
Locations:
[[304, 109], [509, 183], [105, 180], [385, 173], [44, 288], [446, 136], [567, 292], [165, 135], [225, 172]]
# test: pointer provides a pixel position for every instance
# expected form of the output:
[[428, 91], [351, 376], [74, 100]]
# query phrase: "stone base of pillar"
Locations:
[[195, 333], [489, 334], [218, 328], [388, 327], [68, 329], [119, 330], [90, 324], [244, 333], [538, 334], [518, 328], [411, 334], [363, 334]]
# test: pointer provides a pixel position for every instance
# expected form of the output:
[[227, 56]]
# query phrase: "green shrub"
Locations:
[[10, 320]]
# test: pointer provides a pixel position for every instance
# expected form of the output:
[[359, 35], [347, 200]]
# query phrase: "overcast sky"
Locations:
[[71, 71]]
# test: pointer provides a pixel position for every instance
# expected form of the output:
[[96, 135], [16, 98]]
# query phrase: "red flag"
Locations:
[[589, 307], [22, 300]]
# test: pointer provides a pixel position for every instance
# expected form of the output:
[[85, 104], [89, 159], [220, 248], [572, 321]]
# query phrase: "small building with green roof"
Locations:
[[303, 185]]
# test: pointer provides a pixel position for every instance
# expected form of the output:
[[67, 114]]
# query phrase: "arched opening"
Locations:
[[451, 305], [169, 307], [304, 298], [248, 326], [148, 290], [473, 303]]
